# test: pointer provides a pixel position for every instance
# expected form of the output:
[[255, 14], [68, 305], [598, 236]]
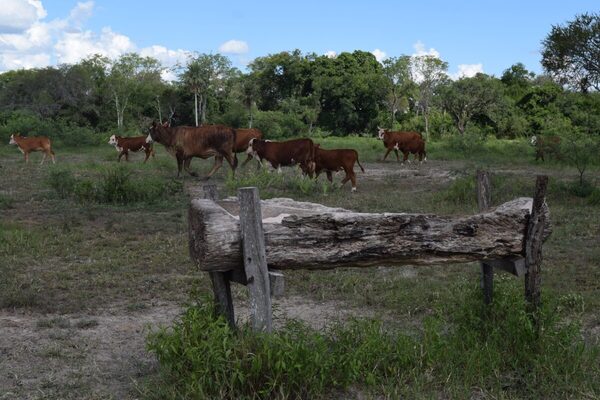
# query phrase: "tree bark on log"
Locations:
[[311, 236]]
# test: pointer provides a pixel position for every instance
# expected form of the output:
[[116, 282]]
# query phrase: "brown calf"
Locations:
[[546, 145], [185, 142], [336, 160], [34, 143], [242, 140], [406, 142], [126, 144], [283, 154]]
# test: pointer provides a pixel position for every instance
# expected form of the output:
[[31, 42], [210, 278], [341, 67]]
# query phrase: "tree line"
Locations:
[[292, 94]]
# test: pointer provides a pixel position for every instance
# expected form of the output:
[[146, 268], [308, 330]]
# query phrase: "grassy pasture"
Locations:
[[84, 270]]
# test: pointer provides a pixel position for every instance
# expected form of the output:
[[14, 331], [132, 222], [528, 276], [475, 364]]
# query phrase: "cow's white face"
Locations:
[[250, 149], [533, 140], [149, 139], [12, 140], [380, 133], [113, 140]]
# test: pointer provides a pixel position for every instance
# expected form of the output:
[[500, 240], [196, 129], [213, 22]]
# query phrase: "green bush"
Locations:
[[463, 345], [276, 124], [114, 186]]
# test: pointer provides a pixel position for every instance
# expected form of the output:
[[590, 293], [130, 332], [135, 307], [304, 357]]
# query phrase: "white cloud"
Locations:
[[81, 12], [167, 57], [421, 51], [467, 71], [330, 54], [74, 46], [379, 55], [17, 16], [17, 61], [234, 47]]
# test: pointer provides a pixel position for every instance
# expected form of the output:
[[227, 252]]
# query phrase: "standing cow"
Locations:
[[126, 144], [185, 142], [546, 145], [335, 160], [283, 154], [242, 140], [406, 142], [33, 143]]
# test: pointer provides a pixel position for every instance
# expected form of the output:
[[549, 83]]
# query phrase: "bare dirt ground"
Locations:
[[101, 354]]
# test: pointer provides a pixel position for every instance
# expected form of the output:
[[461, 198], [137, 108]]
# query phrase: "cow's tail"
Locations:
[[358, 162]]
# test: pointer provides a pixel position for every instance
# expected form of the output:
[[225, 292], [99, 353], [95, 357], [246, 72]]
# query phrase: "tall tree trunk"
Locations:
[[158, 108], [426, 116], [203, 109], [196, 107], [250, 114], [117, 109]]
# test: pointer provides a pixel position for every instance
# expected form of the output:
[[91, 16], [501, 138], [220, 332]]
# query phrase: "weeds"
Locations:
[[464, 344]]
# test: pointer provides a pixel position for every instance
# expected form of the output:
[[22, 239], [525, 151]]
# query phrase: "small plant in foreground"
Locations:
[[465, 344]]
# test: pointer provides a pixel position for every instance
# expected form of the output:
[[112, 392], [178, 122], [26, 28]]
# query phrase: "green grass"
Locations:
[[462, 346], [70, 242]]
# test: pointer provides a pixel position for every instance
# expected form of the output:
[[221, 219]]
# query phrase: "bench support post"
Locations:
[[483, 203], [255, 259]]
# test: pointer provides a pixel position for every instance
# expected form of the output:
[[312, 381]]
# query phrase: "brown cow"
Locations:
[[406, 142], [126, 144], [34, 143], [546, 145], [283, 154], [242, 140], [185, 142], [336, 160]]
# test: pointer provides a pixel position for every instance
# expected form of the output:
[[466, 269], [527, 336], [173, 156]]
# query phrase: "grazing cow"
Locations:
[[34, 143], [126, 144], [546, 145], [336, 160], [283, 154], [185, 142], [406, 142], [242, 140]]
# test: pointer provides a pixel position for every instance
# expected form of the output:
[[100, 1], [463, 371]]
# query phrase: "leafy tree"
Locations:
[[571, 53], [580, 150], [399, 85], [204, 75], [129, 74], [430, 73], [470, 97]]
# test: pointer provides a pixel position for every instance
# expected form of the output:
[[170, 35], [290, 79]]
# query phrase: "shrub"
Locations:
[[62, 181], [463, 344], [276, 124]]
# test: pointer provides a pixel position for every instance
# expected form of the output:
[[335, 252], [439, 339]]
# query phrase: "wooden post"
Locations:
[[533, 244], [221, 282], [483, 202], [255, 259]]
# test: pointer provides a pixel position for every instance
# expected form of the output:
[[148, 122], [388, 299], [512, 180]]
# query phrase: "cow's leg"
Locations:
[[397, 157], [352, 176], [232, 160], [121, 155], [216, 166], [329, 176], [127, 156], [186, 166], [386, 154], [52, 156], [406, 153], [43, 158], [26, 157], [147, 155], [179, 164], [247, 160]]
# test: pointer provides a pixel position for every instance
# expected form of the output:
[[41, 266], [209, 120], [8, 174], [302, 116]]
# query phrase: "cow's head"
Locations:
[[12, 139], [152, 133], [534, 140], [250, 150], [113, 140], [380, 132]]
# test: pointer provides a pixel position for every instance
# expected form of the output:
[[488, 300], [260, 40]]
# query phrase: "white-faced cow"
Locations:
[[33, 143], [546, 145], [406, 142], [242, 140], [336, 160], [283, 154], [185, 142], [126, 144]]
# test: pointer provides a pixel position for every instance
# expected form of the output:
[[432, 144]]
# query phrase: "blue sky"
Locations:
[[486, 36]]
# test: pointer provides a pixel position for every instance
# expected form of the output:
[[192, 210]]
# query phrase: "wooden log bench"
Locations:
[[250, 241]]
